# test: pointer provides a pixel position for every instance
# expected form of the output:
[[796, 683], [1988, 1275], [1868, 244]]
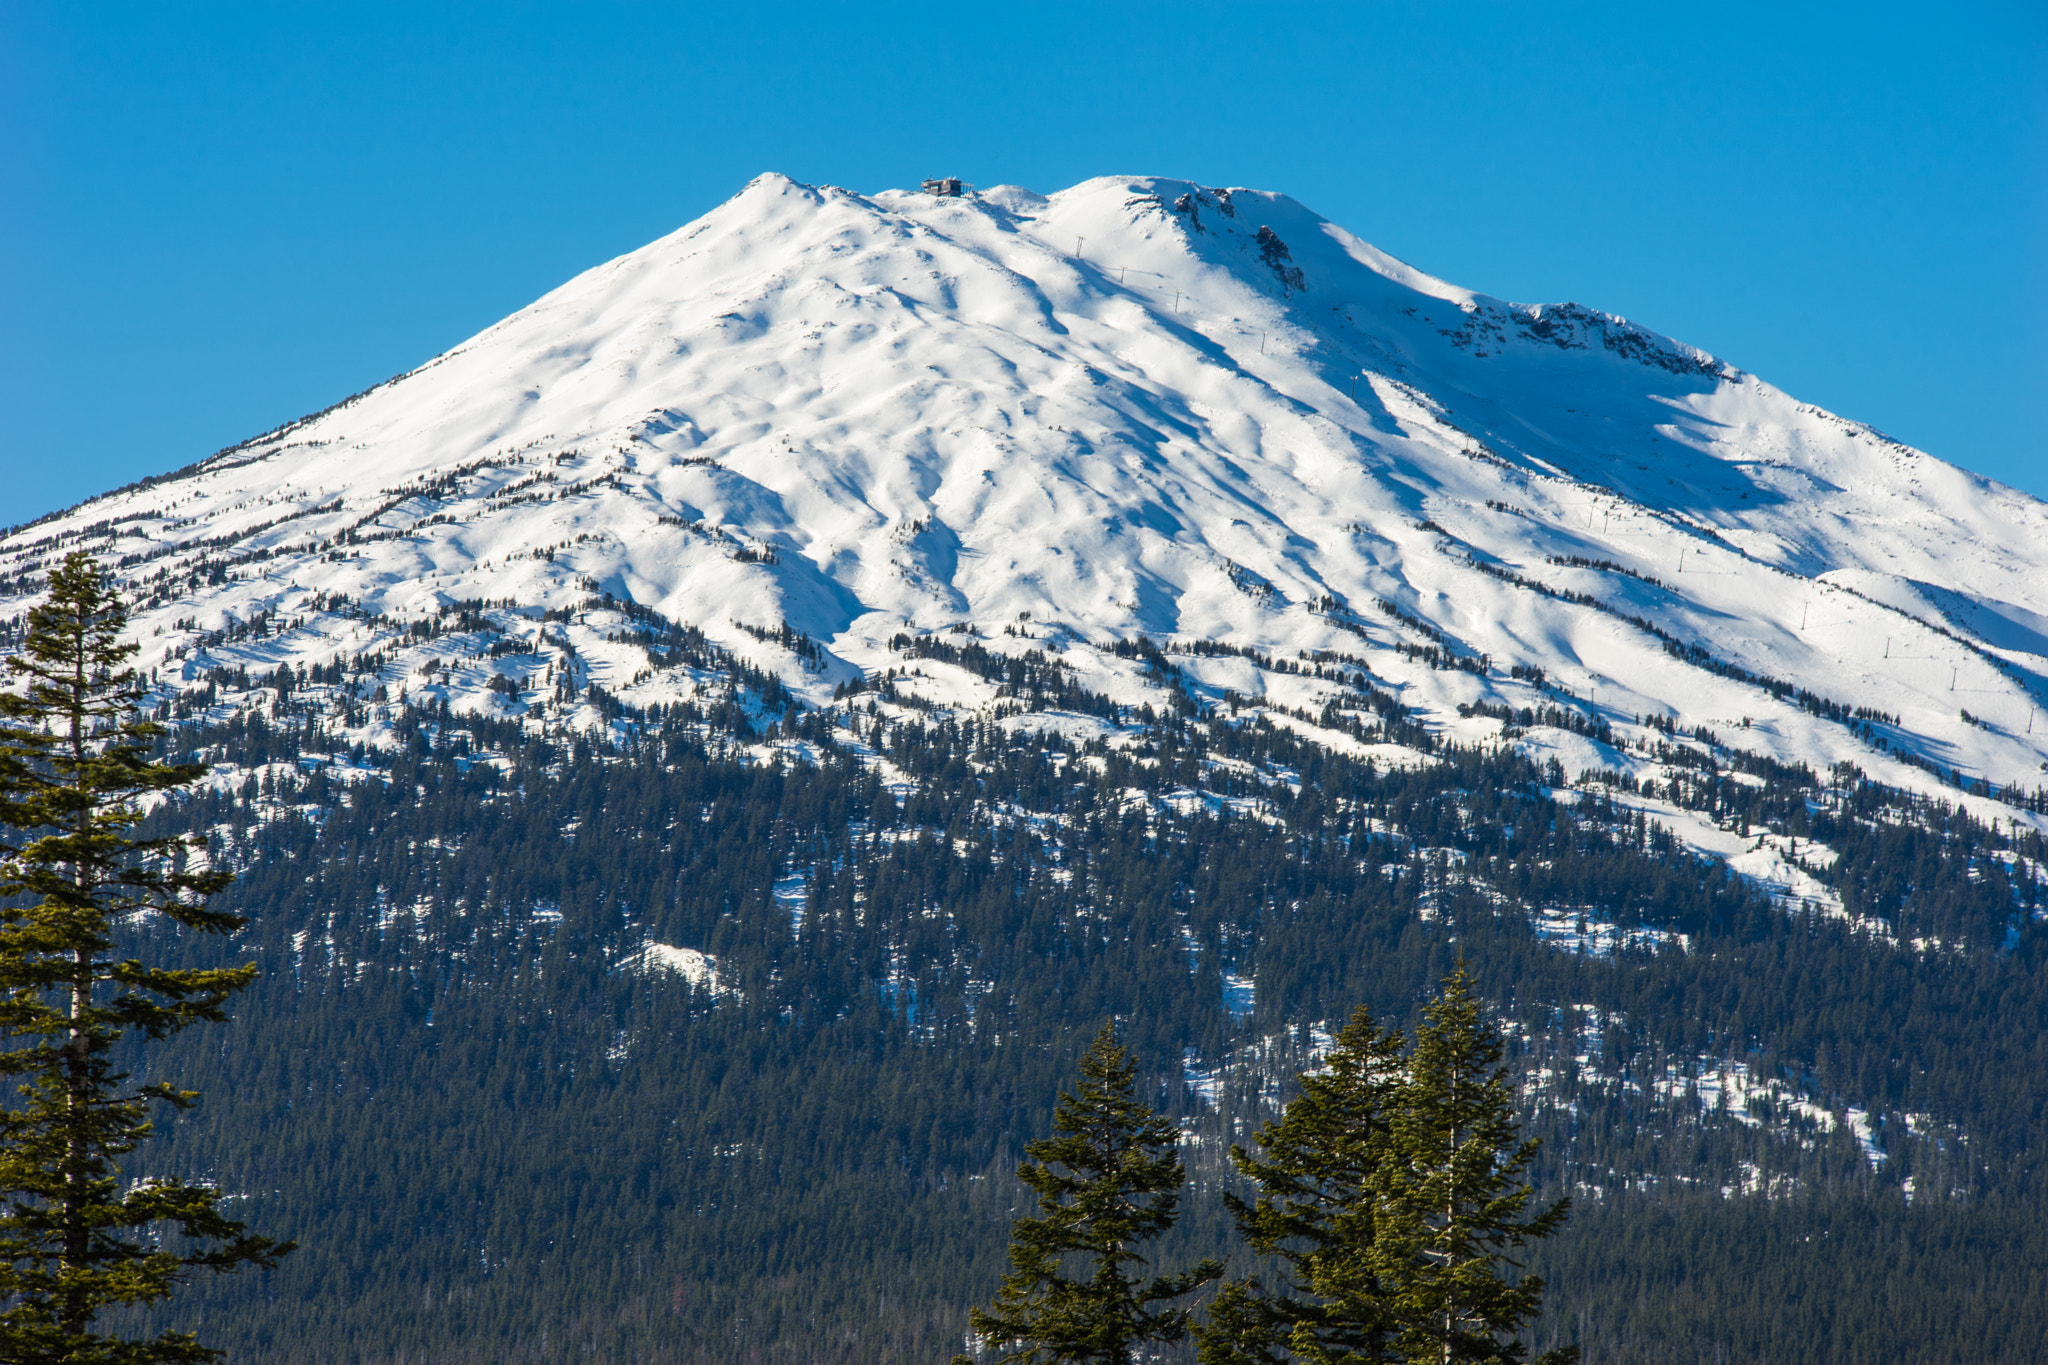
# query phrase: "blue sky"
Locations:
[[219, 217]]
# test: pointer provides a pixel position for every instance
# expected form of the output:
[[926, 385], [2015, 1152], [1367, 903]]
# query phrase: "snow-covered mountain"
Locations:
[[1136, 407]]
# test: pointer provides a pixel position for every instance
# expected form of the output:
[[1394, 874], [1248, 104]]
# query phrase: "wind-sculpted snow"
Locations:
[[812, 420]]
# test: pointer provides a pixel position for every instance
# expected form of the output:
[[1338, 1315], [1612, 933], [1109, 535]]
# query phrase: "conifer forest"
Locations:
[[721, 1034]]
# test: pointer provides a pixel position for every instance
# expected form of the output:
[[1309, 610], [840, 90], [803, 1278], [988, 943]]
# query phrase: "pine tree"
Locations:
[[1451, 1197], [1110, 1181], [1315, 1211], [74, 766]]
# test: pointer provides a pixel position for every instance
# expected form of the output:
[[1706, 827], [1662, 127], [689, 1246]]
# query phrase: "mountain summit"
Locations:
[[1139, 406]]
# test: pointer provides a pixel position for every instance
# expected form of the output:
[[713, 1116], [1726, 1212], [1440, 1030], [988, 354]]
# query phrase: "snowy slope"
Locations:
[[1136, 406]]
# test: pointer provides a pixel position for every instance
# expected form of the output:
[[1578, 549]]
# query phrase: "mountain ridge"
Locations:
[[1227, 418]]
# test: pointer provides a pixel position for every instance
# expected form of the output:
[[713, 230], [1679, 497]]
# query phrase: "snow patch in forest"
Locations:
[[698, 968], [1576, 929], [1733, 1088], [1239, 995]]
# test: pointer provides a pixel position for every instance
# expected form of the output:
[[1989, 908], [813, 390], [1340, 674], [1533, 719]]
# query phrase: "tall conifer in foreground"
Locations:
[[74, 764], [1315, 1212], [1110, 1181], [1392, 1188], [1451, 1198]]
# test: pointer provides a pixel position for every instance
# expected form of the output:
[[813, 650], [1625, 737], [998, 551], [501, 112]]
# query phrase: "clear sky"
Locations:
[[218, 217]]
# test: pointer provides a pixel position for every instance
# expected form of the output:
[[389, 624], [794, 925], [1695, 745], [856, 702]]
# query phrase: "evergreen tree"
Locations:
[[1315, 1211], [1109, 1181], [1451, 1197], [74, 765]]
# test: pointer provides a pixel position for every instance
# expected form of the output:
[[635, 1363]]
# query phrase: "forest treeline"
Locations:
[[501, 1127]]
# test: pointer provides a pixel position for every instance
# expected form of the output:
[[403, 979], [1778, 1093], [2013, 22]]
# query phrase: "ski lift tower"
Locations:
[[946, 187]]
